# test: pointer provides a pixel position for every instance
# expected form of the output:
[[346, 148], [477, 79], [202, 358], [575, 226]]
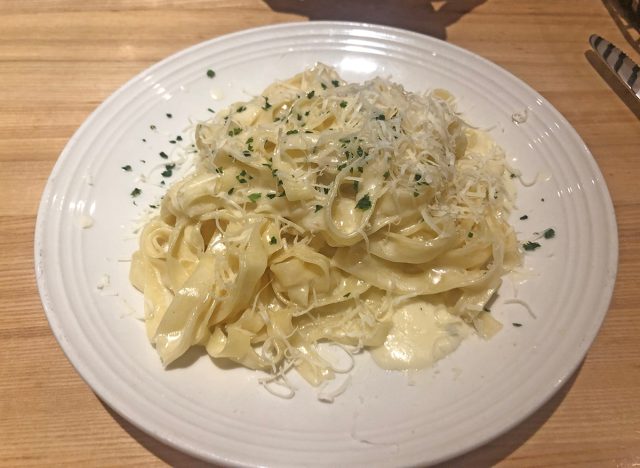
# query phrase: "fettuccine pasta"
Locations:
[[315, 213]]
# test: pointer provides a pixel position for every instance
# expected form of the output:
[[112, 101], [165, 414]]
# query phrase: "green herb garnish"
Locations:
[[163, 155], [126, 168], [211, 73], [343, 104], [135, 192], [168, 172], [266, 103], [524, 217], [273, 240], [335, 83], [235, 131], [241, 109], [292, 132], [169, 116], [364, 203], [310, 94], [318, 208], [255, 196], [528, 246], [381, 117], [549, 233]]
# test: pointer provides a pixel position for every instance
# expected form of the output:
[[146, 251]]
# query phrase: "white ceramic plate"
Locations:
[[384, 418]]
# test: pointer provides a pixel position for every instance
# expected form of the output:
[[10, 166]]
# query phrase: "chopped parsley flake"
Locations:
[[266, 103], [235, 131], [163, 155], [310, 94], [343, 104], [318, 208], [516, 324], [347, 295], [179, 138], [273, 240], [246, 153], [271, 195], [324, 86], [135, 192], [241, 109], [528, 246], [335, 83], [255, 196], [230, 191], [292, 132], [219, 170], [364, 203], [342, 166], [168, 172], [524, 217], [417, 177], [549, 233], [211, 73], [386, 175], [470, 235], [152, 127], [381, 117], [126, 168], [169, 116], [211, 110]]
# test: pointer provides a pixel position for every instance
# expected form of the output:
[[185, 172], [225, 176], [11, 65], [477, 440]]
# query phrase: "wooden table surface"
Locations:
[[60, 58]]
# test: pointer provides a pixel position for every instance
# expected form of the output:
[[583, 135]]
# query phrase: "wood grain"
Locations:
[[60, 58]]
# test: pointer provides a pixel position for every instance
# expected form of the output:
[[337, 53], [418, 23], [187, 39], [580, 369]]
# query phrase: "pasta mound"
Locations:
[[313, 212]]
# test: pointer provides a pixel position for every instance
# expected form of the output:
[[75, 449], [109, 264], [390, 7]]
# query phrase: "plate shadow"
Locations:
[[501, 447], [415, 15]]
